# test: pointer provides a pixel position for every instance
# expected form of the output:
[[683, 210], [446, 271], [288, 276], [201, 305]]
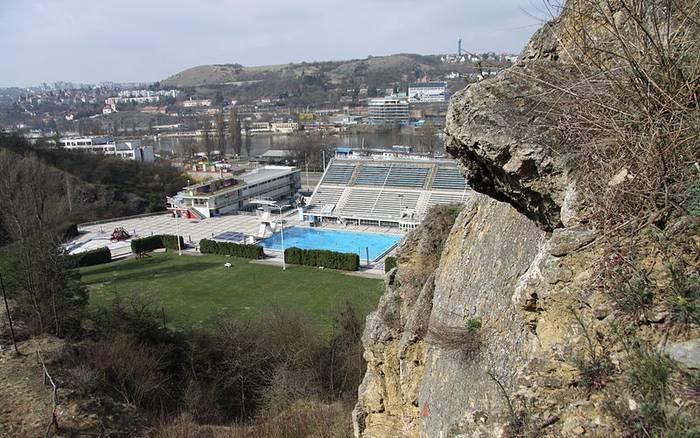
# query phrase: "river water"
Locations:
[[260, 143]]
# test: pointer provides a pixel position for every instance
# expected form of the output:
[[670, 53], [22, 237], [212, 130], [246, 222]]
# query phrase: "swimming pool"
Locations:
[[333, 240]]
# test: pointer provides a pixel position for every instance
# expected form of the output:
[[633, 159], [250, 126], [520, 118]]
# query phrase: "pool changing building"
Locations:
[[234, 193], [384, 187]]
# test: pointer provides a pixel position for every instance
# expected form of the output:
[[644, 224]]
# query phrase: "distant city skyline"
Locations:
[[85, 41]]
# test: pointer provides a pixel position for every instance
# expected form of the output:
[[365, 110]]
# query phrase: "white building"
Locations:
[[106, 145], [193, 103], [134, 151], [231, 194], [421, 92], [284, 127], [388, 110]]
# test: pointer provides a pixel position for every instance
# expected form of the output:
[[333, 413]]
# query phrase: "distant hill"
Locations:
[[374, 71]]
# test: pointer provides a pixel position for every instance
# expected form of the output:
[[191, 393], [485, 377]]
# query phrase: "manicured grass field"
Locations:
[[196, 290]]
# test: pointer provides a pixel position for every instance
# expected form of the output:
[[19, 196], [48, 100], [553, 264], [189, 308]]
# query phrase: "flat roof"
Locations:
[[427, 84], [266, 172], [254, 176]]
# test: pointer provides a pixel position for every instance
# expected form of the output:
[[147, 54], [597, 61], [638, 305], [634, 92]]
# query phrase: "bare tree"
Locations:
[[206, 137], [221, 133], [248, 145], [234, 125]]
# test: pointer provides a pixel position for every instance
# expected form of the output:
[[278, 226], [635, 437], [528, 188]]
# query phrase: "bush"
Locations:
[[320, 257], [95, 257], [207, 246], [147, 244], [170, 242], [389, 264]]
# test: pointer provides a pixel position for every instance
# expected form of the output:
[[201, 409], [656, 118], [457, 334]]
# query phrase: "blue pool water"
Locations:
[[333, 240]]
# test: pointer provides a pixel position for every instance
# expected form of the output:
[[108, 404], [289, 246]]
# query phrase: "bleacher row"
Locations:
[[394, 175], [356, 202]]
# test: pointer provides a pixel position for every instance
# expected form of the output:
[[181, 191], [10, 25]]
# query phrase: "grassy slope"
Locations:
[[196, 290]]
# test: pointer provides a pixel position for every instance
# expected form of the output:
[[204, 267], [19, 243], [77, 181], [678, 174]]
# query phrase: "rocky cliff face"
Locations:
[[518, 264]]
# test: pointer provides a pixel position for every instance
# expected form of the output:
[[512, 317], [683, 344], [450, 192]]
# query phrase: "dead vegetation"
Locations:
[[630, 115], [466, 339]]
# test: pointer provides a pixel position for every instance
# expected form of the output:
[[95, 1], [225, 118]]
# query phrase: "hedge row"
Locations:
[[233, 249], [320, 257], [95, 257], [147, 244], [389, 264]]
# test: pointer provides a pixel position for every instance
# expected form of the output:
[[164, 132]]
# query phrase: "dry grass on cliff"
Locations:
[[632, 115], [307, 419], [466, 339]]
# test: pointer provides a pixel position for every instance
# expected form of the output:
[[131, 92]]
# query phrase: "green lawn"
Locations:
[[195, 290]]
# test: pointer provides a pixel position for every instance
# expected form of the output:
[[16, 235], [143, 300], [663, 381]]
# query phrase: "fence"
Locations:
[[54, 397], [116, 219]]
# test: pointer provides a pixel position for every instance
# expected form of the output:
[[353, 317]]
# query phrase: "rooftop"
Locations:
[[248, 178], [427, 84]]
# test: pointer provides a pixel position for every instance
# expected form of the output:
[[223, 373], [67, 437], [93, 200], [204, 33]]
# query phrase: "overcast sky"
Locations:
[[147, 40]]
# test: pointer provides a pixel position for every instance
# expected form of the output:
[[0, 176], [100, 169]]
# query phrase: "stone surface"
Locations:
[[687, 353], [490, 248]]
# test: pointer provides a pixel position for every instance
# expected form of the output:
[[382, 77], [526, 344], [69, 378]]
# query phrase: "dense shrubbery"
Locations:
[[389, 264], [95, 257], [239, 371], [170, 242], [232, 249], [44, 284], [319, 257], [150, 243]]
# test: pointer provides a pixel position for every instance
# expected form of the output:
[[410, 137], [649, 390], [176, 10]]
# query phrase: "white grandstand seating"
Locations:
[[371, 175], [338, 174], [324, 196], [393, 176], [448, 178], [407, 176], [368, 190], [446, 198], [360, 202], [389, 203]]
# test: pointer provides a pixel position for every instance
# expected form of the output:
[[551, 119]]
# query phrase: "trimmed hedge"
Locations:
[[95, 257], [150, 243], [389, 263], [346, 261], [207, 246], [170, 242]]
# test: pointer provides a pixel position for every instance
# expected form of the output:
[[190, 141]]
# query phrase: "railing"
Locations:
[[53, 422], [123, 218]]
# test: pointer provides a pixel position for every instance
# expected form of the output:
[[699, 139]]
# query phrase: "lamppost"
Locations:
[[279, 207], [178, 214]]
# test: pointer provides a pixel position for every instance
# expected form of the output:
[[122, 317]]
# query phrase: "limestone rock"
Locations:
[[687, 353]]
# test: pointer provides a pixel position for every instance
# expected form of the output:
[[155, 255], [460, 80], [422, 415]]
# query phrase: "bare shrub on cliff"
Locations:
[[466, 339], [631, 116]]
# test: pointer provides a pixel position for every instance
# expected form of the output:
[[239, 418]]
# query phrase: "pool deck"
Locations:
[[94, 236]]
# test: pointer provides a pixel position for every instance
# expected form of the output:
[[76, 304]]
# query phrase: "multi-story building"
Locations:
[[284, 127], [388, 110], [193, 103], [107, 146], [420, 92], [234, 193]]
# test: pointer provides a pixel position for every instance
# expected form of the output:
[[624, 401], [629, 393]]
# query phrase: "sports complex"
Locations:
[[365, 202]]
